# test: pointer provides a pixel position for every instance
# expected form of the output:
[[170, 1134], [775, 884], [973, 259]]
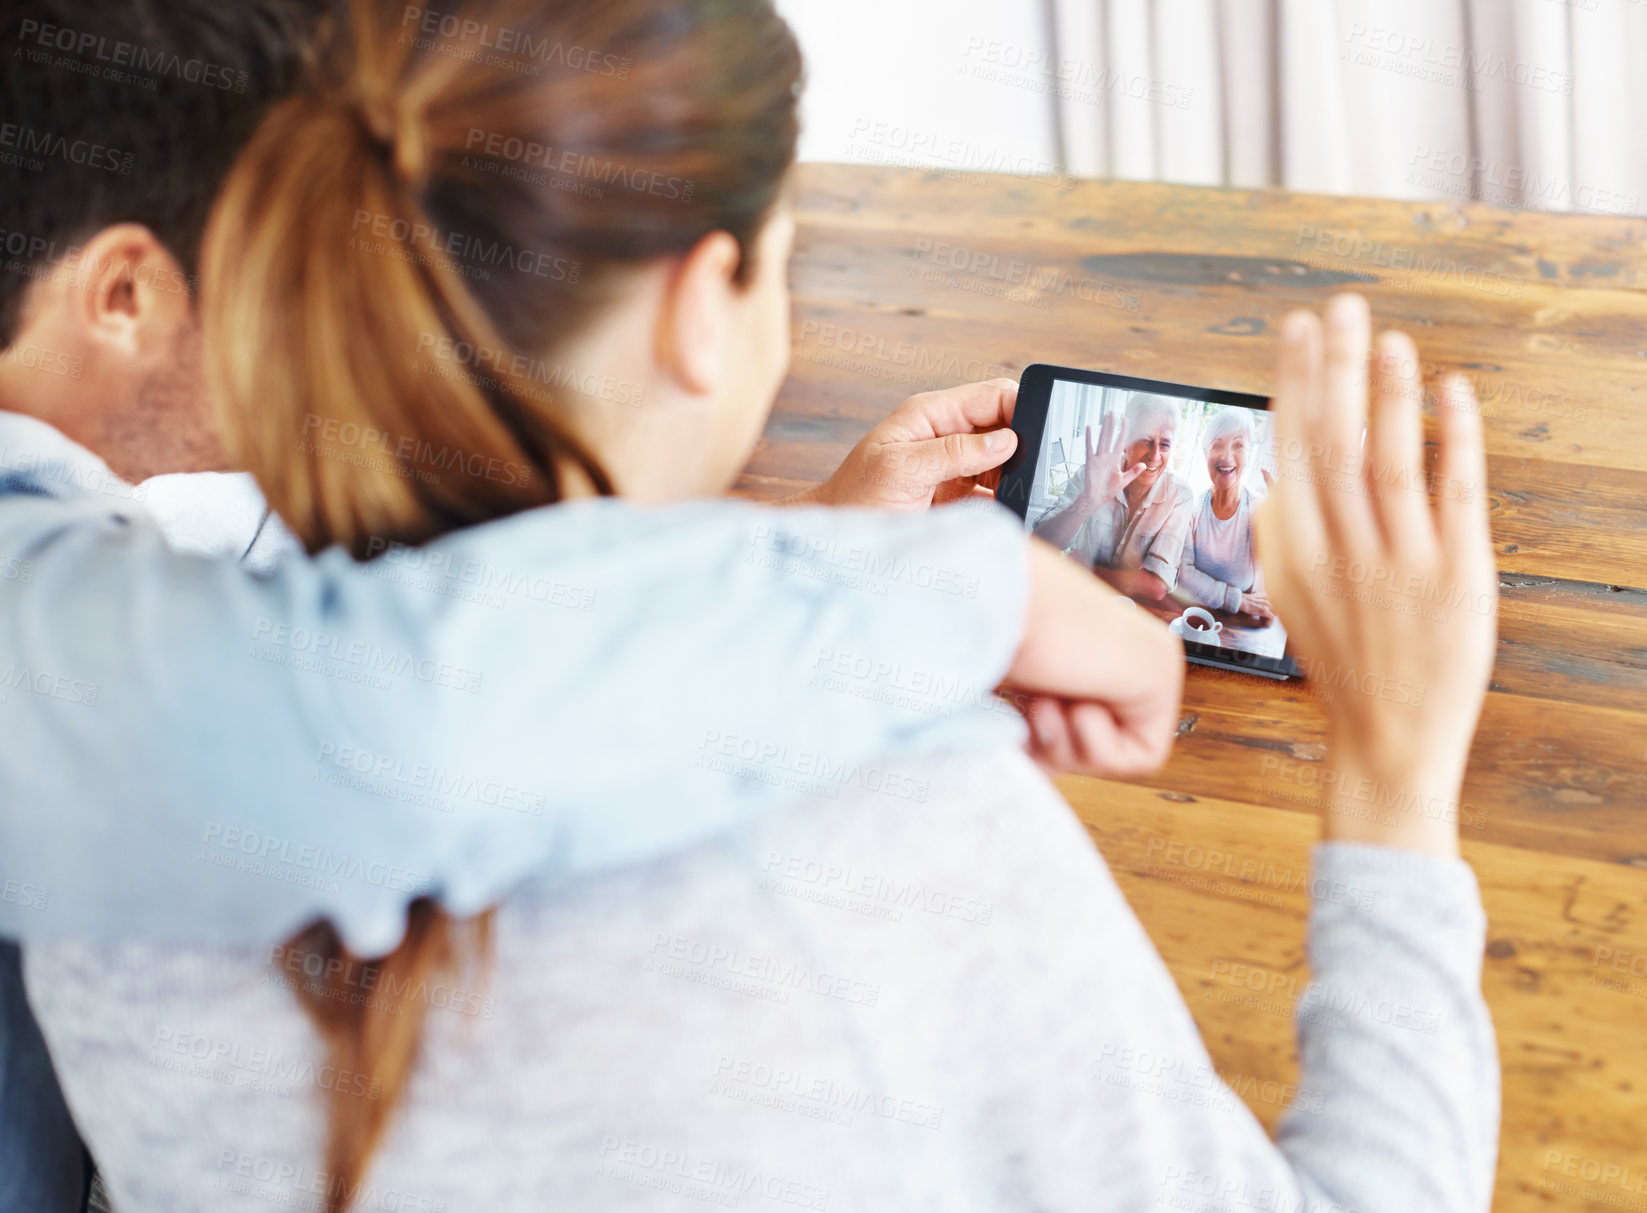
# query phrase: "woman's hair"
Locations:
[[1227, 421], [395, 262], [403, 248]]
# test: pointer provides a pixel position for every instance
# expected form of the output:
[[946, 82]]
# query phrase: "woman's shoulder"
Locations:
[[983, 818], [986, 820]]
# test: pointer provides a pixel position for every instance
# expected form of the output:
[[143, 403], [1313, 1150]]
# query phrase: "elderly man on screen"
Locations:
[[1124, 513], [1220, 566]]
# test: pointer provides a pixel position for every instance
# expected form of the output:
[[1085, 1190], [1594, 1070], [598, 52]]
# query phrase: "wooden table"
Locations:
[[906, 280]]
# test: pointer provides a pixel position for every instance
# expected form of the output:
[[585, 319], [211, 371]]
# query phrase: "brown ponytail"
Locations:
[[400, 250], [371, 1013]]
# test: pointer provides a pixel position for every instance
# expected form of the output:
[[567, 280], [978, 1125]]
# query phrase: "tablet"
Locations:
[[1154, 486]]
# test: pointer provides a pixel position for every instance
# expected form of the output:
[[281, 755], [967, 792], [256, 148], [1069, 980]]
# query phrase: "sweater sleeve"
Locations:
[[1111, 1099], [1203, 588], [1396, 1105], [1395, 1034]]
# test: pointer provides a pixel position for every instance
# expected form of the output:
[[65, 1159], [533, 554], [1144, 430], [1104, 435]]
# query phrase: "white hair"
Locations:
[[1143, 412], [1228, 421]]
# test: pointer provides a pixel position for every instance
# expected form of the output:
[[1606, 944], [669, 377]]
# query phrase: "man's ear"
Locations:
[[128, 293], [695, 326]]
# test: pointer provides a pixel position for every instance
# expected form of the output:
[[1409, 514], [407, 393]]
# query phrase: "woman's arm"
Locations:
[[1394, 1025], [1397, 1103], [1204, 589], [1063, 520], [1111, 1100]]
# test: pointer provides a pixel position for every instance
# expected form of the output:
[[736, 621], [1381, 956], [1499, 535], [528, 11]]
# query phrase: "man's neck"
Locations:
[[135, 442], [21, 382], [1137, 494]]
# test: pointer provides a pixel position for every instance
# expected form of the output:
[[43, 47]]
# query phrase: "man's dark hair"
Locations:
[[117, 111]]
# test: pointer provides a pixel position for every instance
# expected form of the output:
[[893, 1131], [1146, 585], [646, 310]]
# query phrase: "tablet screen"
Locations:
[[1155, 490]]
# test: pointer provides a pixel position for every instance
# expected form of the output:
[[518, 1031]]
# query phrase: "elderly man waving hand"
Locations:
[[1124, 513]]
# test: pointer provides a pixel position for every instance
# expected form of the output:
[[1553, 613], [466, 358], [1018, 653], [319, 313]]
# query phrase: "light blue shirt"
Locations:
[[191, 752]]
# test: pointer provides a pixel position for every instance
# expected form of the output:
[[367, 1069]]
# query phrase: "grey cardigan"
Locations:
[[921, 993]]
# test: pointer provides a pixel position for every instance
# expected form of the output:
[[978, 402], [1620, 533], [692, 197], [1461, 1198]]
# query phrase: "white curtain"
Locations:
[[1536, 104]]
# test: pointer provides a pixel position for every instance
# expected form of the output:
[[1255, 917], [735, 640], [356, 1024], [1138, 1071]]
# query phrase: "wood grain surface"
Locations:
[[907, 280]]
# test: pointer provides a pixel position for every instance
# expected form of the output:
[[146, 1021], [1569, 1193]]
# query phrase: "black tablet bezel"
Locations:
[[1029, 419]]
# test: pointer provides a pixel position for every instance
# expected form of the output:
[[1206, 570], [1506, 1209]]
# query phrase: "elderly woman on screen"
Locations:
[[1219, 568], [1124, 514]]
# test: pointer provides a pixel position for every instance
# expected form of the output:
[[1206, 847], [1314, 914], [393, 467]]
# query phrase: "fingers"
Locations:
[[1099, 744], [1107, 455], [935, 461], [1461, 470], [1109, 435], [1342, 415], [1273, 535], [1297, 381], [1104, 452], [933, 439], [1086, 739], [1395, 449], [958, 410], [1297, 395], [1049, 732], [1341, 422], [1116, 747]]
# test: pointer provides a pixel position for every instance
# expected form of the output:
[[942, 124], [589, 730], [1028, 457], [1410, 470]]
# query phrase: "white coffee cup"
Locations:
[[1198, 625]]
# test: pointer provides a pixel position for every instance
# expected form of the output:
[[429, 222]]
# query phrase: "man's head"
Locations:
[[1152, 425], [119, 120]]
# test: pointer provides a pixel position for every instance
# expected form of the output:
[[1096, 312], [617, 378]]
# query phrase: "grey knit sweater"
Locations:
[[925, 994]]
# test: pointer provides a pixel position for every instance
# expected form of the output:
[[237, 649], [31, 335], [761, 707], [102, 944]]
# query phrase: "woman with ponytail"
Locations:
[[524, 253]]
